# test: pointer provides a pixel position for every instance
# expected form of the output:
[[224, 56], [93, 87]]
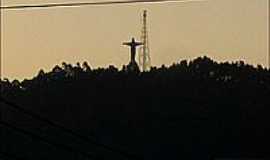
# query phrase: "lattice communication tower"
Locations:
[[144, 55]]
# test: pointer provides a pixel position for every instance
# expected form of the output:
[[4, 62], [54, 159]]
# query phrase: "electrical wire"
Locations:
[[7, 155], [40, 138], [53, 5], [69, 131]]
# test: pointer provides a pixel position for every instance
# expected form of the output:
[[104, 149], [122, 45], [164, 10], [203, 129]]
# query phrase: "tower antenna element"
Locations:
[[144, 54]]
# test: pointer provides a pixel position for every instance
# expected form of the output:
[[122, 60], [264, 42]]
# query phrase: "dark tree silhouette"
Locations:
[[199, 109]]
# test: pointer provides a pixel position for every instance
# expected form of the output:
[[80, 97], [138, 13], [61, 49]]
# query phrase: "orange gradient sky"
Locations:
[[225, 30]]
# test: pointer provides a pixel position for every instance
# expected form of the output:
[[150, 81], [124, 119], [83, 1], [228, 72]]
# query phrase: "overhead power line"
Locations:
[[53, 5], [9, 156], [69, 131], [40, 138]]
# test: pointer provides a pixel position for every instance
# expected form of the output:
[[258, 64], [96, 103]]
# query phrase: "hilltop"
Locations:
[[195, 110]]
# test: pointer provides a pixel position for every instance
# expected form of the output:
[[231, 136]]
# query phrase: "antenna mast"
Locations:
[[144, 55]]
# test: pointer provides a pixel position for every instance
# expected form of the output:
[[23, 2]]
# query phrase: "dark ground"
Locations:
[[196, 110]]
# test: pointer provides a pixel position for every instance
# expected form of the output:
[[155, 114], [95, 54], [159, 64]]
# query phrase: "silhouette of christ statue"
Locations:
[[133, 44]]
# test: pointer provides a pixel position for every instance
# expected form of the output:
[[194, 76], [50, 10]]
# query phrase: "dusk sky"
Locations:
[[225, 30]]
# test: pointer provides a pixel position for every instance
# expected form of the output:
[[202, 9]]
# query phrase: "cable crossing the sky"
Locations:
[[42, 139], [9, 156], [69, 131], [79, 4]]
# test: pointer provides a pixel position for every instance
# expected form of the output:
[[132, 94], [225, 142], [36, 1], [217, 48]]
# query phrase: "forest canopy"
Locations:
[[194, 110]]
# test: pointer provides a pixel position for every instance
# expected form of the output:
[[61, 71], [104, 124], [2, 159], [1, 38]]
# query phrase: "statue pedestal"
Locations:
[[133, 67]]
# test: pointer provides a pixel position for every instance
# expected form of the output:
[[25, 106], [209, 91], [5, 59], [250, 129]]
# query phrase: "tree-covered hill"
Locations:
[[190, 110]]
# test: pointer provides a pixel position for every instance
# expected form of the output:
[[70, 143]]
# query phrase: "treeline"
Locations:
[[193, 110]]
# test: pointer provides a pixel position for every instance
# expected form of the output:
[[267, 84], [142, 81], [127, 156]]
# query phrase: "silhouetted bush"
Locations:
[[190, 110]]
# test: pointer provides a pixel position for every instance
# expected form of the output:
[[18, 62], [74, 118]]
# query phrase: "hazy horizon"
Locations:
[[224, 30]]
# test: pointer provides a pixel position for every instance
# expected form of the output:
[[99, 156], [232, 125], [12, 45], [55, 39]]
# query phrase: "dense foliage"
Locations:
[[193, 110]]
